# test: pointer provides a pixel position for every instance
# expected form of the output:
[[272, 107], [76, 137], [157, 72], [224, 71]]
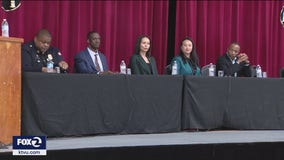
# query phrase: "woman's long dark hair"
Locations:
[[193, 55], [137, 45]]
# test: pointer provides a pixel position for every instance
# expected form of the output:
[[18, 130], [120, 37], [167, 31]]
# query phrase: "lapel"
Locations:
[[89, 59], [102, 60], [152, 66], [228, 60], [144, 65]]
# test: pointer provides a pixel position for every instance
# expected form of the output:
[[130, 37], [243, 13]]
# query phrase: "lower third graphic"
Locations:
[[29, 145]]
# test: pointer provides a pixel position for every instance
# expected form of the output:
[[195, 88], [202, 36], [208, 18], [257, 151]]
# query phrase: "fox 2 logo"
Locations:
[[29, 142]]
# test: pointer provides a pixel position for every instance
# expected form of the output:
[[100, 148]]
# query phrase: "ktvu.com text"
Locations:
[[29, 145]]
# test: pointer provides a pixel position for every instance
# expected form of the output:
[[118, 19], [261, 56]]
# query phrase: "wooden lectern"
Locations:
[[10, 88]]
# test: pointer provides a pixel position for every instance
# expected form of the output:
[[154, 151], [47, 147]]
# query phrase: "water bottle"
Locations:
[[211, 70], [122, 67], [258, 71], [49, 65], [5, 28], [175, 68]]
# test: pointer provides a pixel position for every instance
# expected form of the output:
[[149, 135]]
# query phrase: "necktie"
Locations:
[[97, 63]]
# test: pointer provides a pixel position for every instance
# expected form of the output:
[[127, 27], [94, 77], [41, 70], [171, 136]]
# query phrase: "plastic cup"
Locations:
[[264, 74], [220, 73], [128, 71]]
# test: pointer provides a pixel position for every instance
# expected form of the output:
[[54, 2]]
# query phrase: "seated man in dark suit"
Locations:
[[91, 60], [234, 63]]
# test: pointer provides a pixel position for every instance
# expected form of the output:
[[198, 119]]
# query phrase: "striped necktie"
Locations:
[[97, 63]]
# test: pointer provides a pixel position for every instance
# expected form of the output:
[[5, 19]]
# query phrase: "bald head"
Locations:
[[43, 32], [233, 50], [42, 40]]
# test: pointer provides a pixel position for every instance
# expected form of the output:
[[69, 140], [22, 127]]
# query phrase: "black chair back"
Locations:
[[282, 72], [168, 69]]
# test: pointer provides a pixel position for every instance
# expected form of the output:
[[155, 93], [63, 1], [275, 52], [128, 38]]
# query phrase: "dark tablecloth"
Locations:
[[82, 104], [230, 102]]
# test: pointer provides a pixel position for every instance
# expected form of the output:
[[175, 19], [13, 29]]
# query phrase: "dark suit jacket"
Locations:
[[33, 60], [84, 63], [224, 63], [139, 66]]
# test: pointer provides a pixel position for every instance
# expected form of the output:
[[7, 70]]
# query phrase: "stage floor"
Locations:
[[179, 138]]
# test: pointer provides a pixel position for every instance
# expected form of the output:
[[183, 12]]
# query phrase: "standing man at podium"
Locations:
[[36, 53]]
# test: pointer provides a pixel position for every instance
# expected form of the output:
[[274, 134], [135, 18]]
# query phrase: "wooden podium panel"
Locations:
[[10, 88]]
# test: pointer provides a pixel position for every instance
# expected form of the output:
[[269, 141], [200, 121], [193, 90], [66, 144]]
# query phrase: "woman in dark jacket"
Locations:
[[141, 62]]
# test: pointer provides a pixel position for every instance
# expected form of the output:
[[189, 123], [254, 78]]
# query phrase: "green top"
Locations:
[[185, 68]]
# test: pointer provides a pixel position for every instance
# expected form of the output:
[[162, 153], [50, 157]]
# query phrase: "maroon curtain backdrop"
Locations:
[[214, 24], [118, 22]]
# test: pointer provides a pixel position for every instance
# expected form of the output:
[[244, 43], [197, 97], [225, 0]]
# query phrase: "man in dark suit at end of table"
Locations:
[[91, 60], [234, 63]]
